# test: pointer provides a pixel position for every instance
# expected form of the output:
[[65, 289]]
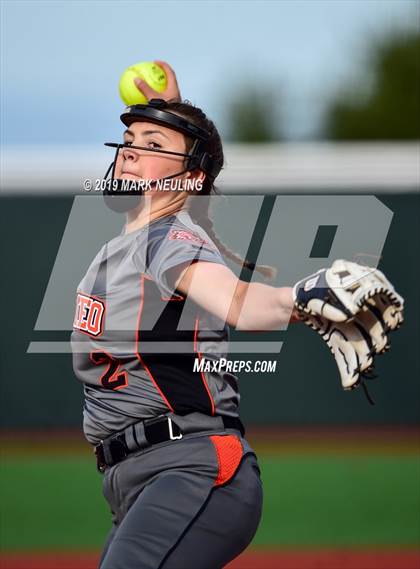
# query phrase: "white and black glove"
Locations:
[[353, 308], [339, 292], [353, 344]]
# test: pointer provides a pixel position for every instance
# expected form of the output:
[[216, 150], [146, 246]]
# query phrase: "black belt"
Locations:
[[114, 448]]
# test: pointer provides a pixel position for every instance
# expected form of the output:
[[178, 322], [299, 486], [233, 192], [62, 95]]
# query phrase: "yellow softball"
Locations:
[[150, 72]]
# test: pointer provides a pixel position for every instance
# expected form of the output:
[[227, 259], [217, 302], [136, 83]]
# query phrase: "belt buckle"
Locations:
[[171, 431], [161, 429]]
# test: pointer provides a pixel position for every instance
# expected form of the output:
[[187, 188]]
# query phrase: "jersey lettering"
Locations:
[[186, 236], [89, 315]]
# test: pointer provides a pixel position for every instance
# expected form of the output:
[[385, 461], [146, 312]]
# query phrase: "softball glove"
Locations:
[[353, 308], [339, 292]]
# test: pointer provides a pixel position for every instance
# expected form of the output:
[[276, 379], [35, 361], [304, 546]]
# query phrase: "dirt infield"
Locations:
[[319, 559]]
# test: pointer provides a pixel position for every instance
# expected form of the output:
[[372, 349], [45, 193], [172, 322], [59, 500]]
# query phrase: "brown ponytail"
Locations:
[[199, 209]]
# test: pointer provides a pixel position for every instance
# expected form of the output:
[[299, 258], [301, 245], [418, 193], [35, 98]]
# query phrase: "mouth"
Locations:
[[129, 176]]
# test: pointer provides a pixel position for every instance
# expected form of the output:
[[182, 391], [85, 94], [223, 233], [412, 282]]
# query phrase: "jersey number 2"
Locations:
[[113, 377]]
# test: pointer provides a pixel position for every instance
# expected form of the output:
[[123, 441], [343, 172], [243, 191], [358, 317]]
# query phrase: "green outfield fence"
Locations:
[[40, 391]]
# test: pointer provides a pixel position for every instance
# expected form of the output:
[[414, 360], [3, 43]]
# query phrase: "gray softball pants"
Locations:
[[172, 510]]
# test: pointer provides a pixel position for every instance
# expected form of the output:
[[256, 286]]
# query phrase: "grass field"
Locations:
[[345, 497]]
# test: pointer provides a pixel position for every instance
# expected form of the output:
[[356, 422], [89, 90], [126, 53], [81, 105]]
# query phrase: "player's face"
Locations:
[[135, 164]]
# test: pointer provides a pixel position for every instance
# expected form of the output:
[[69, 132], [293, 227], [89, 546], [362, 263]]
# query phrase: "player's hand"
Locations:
[[171, 93]]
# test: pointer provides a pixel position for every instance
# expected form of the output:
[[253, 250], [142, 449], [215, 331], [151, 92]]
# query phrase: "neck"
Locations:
[[151, 209]]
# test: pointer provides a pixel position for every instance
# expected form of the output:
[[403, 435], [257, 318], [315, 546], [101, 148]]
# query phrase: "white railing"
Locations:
[[308, 167]]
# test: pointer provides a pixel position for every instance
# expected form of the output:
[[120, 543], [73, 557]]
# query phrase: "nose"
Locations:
[[129, 154]]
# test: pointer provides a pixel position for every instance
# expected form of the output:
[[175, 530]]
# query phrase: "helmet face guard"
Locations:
[[155, 112]]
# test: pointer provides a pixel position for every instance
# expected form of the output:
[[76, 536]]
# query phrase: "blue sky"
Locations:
[[61, 60]]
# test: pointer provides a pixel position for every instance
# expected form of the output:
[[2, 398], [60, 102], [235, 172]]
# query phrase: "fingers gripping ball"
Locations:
[[150, 72]]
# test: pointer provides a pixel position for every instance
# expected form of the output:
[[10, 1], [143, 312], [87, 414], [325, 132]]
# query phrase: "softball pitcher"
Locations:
[[182, 482]]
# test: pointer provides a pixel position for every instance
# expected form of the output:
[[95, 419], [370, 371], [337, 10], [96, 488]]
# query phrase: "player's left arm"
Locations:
[[245, 306]]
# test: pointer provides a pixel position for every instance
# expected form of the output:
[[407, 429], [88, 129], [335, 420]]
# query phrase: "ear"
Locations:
[[196, 174]]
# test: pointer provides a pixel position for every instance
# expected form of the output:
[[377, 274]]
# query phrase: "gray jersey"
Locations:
[[135, 339]]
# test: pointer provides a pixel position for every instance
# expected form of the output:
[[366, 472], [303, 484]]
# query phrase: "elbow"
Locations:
[[236, 317]]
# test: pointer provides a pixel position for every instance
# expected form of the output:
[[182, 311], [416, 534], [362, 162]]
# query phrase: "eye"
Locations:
[[128, 143], [154, 144]]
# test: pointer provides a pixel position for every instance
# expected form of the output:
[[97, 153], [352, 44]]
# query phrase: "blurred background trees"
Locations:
[[385, 103], [253, 116]]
